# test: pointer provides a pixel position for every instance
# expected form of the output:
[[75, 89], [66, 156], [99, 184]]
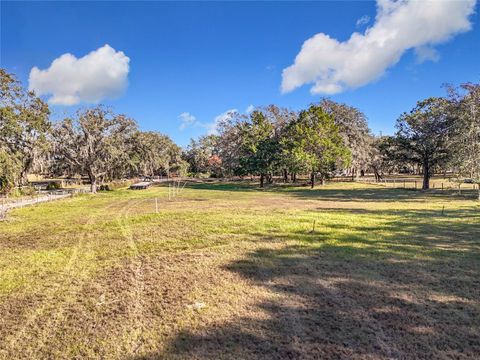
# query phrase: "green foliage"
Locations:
[[423, 134], [53, 185], [353, 127], [24, 127], [260, 148], [27, 191], [152, 153], [94, 143], [466, 130], [202, 157], [314, 143], [10, 171]]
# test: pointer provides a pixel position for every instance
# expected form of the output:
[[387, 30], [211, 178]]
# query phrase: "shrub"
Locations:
[[119, 184], [53, 185], [9, 172], [104, 187], [27, 191]]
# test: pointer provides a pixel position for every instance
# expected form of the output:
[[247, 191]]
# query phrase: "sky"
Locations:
[[178, 67]]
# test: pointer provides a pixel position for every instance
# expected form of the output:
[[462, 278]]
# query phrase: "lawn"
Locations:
[[230, 271]]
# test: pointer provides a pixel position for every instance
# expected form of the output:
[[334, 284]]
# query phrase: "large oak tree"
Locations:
[[423, 135], [92, 142]]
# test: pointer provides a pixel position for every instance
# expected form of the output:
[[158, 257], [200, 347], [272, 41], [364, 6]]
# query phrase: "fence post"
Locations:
[[156, 205], [442, 186]]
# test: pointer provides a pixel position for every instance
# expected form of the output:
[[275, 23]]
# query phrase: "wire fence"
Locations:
[[7, 204], [437, 184]]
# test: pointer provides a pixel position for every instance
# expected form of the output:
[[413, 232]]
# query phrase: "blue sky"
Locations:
[[204, 58]]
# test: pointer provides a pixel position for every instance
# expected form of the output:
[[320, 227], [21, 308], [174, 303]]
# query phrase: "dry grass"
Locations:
[[229, 271]]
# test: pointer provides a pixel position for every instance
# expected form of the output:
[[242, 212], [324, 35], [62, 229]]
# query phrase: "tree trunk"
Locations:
[[93, 183], [322, 181], [261, 180], [426, 177], [293, 176], [23, 178], [26, 167], [312, 179], [285, 176]]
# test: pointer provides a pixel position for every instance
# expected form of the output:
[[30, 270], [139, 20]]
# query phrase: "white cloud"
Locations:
[[334, 66], [364, 20], [249, 109], [187, 120], [426, 53], [98, 75], [212, 127]]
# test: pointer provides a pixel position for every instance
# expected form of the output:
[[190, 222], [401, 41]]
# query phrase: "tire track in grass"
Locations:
[[45, 309], [135, 328], [136, 269]]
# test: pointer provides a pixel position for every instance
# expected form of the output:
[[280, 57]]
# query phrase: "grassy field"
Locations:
[[229, 271]]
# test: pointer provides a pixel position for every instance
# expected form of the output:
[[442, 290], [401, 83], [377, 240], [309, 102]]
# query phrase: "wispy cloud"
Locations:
[[96, 76], [213, 126], [188, 121], [333, 66], [364, 20], [249, 109]]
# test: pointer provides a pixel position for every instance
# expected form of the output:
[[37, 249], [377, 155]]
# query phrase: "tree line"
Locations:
[[96, 143], [439, 135]]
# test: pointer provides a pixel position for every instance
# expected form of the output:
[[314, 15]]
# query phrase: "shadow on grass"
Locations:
[[241, 186], [367, 193], [378, 194], [411, 293]]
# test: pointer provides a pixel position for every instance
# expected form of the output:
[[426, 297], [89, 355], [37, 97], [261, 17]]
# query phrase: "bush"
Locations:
[[9, 172], [52, 185], [28, 191], [119, 184], [104, 187]]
